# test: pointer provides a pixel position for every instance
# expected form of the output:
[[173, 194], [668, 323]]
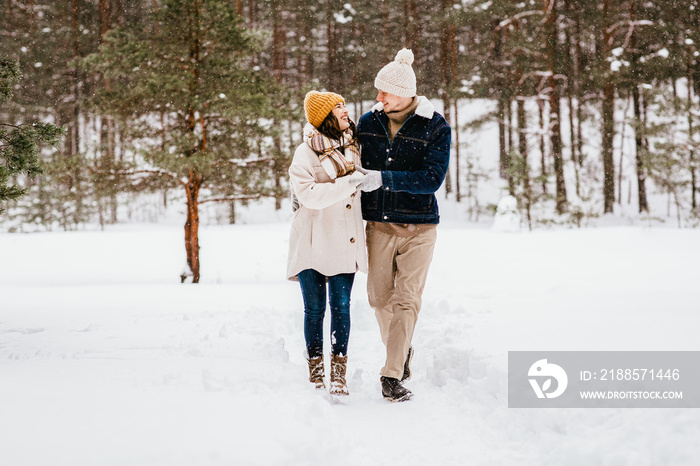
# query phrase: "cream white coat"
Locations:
[[327, 232]]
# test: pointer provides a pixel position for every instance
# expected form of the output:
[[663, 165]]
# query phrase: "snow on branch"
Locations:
[[174, 176], [630, 25], [22, 6], [543, 75], [514, 19], [247, 162], [526, 51], [232, 198]]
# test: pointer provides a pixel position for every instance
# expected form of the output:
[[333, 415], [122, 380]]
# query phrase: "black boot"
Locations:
[[392, 390], [407, 365]]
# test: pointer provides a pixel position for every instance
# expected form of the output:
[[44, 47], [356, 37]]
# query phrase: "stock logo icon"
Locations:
[[542, 373]]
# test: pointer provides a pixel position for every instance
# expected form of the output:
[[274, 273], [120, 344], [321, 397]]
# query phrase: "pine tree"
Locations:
[[19, 143], [194, 70]]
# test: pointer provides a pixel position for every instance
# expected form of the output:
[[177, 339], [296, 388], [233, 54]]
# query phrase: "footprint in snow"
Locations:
[[25, 331]]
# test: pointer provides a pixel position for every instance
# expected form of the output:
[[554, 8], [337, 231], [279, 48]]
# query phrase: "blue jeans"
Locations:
[[313, 290]]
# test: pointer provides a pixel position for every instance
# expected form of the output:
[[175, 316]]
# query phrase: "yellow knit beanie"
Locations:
[[317, 106]]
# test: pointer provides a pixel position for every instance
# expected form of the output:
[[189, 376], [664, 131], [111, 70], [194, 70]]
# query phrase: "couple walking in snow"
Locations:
[[385, 171]]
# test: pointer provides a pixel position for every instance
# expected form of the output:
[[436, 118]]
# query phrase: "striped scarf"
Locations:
[[333, 161]]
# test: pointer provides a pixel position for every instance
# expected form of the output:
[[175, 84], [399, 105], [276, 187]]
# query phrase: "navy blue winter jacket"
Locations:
[[413, 165]]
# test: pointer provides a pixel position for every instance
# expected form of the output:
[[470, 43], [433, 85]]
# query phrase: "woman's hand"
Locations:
[[354, 178], [372, 180]]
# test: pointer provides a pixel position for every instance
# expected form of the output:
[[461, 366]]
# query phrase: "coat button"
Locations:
[[352, 240], [348, 206]]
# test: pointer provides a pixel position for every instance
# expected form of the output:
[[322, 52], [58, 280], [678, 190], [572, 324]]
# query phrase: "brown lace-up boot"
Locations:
[[316, 372], [339, 365], [394, 391]]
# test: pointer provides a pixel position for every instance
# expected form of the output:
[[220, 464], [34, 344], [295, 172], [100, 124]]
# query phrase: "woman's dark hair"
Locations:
[[330, 128]]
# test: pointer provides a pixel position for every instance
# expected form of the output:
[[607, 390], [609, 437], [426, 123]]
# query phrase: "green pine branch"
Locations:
[[20, 144]]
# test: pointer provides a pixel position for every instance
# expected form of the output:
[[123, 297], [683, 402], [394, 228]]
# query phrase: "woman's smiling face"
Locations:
[[341, 114]]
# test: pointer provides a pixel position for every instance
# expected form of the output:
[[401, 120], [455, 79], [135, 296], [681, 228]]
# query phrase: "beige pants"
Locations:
[[398, 268]]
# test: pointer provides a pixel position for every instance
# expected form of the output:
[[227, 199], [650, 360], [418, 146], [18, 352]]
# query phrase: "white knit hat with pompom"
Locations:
[[398, 77]]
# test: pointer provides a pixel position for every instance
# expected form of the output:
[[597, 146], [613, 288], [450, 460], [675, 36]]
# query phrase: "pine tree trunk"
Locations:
[[554, 105], [447, 70], [333, 75], [522, 148], [411, 27], [105, 18], [575, 84], [503, 151], [278, 172], [578, 68], [574, 144], [543, 149], [278, 68], [499, 84], [608, 110], [155, 22], [107, 126], [75, 124], [621, 159], [354, 78], [119, 12], [447, 110], [192, 226], [572, 77], [691, 158], [458, 195], [252, 25], [309, 58], [75, 86], [388, 42], [638, 120], [195, 179], [253, 14], [607, 148], [579, 123], [510, 147], [638, 135]]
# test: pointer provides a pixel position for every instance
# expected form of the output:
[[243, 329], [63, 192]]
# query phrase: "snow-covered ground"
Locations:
[[105, 359]]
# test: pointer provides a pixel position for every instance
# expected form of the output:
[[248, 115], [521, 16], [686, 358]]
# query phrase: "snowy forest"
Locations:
[[125, 122], [200, 101]]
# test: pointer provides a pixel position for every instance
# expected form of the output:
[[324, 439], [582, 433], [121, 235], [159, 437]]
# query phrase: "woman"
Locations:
[[327, 240]]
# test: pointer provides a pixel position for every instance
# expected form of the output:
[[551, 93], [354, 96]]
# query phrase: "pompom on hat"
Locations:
[[317, 106], [398, 77]]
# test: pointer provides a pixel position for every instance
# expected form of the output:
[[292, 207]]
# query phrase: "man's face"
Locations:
[[393, 103]]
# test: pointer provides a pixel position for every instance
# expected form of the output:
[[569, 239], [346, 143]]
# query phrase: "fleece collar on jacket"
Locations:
[[425, 108]]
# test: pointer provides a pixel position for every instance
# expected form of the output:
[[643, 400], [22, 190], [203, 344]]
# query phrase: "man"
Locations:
[[405, 155]]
